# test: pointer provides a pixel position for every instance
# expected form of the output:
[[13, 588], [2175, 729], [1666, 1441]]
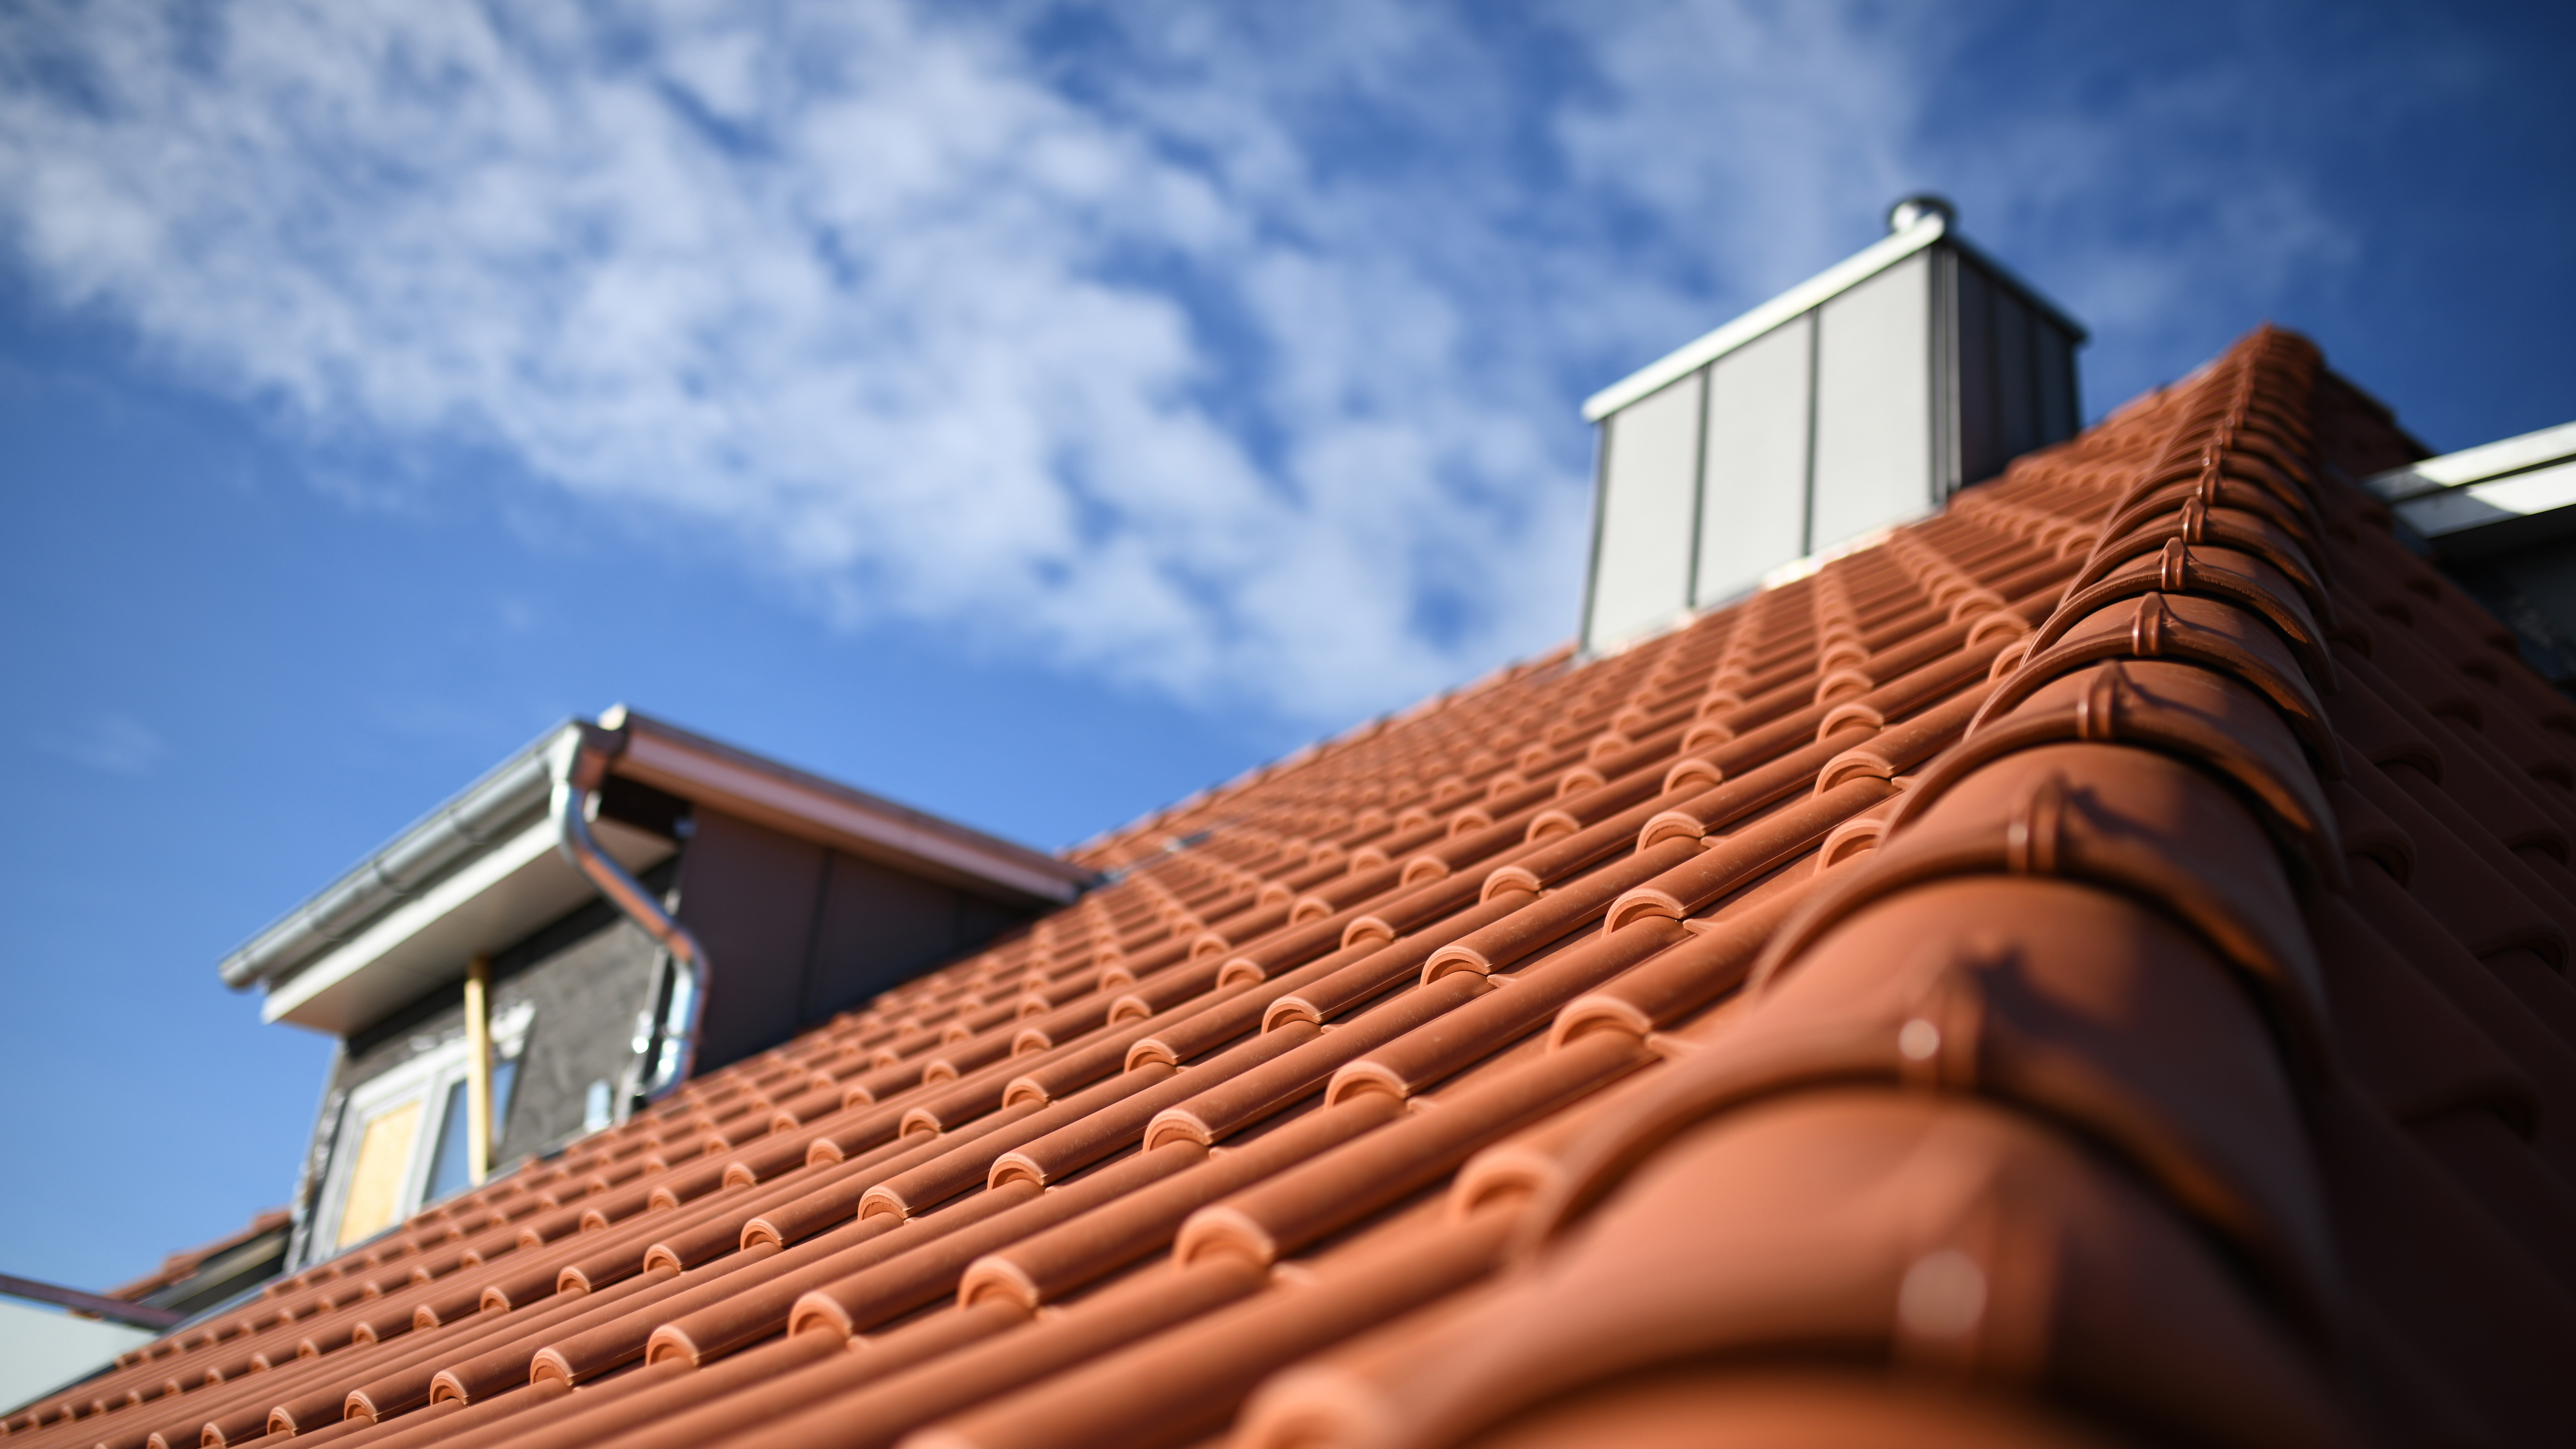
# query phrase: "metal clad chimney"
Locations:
[[1861, 398]]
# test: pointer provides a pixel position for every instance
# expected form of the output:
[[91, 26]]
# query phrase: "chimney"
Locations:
[[1856, 400]]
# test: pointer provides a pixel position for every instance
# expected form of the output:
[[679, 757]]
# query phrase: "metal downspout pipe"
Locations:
[[579, 763]]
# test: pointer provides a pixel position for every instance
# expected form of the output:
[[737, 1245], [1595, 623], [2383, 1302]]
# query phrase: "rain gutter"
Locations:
[[578, 761]]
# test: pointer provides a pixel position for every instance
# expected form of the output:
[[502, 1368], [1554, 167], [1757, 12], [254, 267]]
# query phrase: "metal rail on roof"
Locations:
[[140, 1315]]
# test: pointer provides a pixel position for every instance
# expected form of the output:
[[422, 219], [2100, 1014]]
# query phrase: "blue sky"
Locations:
[[1033, 412]]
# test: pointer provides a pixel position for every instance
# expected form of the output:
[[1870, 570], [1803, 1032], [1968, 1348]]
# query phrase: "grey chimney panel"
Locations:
[[1873, 413], [1649, 497], [2016, 372], [2016, 390], [2057, 405], [1981, 444], [1861, 398], [1755, 460]]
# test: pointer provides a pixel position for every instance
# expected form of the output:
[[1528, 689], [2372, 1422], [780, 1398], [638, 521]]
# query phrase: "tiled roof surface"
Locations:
[[2086, 968]]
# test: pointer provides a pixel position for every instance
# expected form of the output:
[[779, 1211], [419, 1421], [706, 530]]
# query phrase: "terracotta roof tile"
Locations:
[[2089, 966]]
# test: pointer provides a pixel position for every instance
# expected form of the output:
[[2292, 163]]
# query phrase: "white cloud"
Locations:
[[1231, 353]]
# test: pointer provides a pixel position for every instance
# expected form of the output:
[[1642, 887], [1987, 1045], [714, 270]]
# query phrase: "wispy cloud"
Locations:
[[115, 744], [1231, 356]]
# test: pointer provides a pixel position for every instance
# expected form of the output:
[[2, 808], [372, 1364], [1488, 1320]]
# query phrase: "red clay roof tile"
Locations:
[[2086, 967]]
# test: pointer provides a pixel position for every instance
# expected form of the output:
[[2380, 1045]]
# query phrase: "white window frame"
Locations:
[[426, 1079]]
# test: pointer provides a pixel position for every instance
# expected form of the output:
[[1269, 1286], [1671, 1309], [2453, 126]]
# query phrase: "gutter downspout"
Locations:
[[579, 762]]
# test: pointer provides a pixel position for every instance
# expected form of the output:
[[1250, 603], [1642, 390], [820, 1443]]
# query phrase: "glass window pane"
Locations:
[[504, 1073], [451, 1170], [447, 1170]]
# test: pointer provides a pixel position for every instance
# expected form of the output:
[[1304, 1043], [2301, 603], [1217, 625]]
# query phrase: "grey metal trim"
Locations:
[[491, 809], [695, 767], [1812, 293], [2011, 281], [1944, 331], [317, 1160], [2484, 463]]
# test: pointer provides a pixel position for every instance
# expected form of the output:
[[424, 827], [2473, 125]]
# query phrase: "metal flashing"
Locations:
[[2497, 496], [2476, 465]]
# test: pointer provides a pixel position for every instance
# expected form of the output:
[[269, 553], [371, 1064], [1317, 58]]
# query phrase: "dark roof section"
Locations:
[[198, 1278], [2087, 969]]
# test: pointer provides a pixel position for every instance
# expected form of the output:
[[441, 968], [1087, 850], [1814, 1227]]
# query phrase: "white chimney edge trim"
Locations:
[[1832, 281]]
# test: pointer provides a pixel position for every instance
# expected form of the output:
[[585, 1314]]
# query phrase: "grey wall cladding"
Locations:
[[585, 975], [586, 1000], [2016, 373]]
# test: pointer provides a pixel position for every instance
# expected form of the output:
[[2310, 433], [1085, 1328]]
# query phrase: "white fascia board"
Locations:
[[509, 890], [2474, 465], [1831, 282], [2541, 490], [766, 799]]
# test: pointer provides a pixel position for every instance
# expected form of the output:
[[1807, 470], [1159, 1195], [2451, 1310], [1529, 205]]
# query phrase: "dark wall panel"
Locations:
[[2016, 389], [1981, 451], [796, 932], [876, 929], [749, 894], [2057, 403]]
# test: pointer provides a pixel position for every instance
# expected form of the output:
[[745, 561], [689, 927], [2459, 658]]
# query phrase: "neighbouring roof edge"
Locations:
[[500, 804]]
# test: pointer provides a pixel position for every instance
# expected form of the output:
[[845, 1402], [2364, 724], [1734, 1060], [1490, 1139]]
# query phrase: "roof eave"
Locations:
[[462, 841]]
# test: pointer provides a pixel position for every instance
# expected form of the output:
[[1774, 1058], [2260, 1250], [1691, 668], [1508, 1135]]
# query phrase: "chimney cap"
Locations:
[[1911, 209]]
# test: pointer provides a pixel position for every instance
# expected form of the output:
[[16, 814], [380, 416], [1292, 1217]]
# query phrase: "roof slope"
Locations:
[[2088, 966]]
